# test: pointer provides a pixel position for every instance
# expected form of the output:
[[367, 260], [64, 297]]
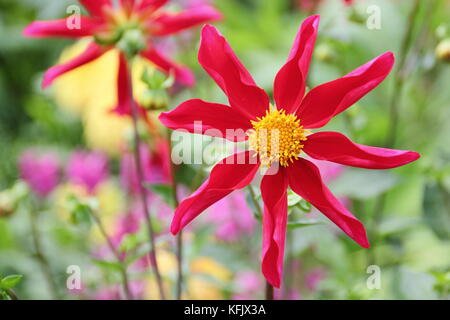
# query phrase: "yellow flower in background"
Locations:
[[111, 198], [91, 92], [104, 130], [202, 289], [210, 267], [204, 278], [110, 205], [95, 81]]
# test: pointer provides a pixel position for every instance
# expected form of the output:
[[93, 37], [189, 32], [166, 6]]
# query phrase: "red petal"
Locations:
[[305, 180], [151, 5], [325, 101], [123, 88], [290, 82], [274, 194], [170, 23], [128, 4], [182, 74], [202, 117], [335, 147], [219, 60], [232, 173], [124, 94], [95, 7], [92, 52], [59, 28]]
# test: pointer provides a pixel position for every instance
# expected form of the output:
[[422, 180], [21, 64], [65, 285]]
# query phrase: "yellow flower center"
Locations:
[[277, 137]]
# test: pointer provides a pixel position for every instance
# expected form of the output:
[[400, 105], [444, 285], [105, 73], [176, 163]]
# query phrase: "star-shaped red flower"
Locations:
[[250, 110]]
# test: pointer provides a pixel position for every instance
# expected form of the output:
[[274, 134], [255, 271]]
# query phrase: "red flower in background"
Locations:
[[250, 110], [108, 24]]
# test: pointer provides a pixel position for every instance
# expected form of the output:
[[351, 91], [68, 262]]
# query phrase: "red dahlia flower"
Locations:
[[139, 20], [250, 110]]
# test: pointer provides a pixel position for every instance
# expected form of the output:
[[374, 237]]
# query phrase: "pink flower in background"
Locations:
[[87, 169], [233, 217], [196, 3], [113, 292], [40, 171], [155, 167], [329, 170], [249, 284], [313, 278], [127, 224], [108, 293], [291, 294]]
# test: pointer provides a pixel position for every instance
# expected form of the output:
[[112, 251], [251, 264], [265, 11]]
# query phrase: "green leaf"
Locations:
[[108, 265], [364, 184], [10, 281], [394, 226], [4, 295], [434, 210], [293, 199], [303, 223], [132, 241], [413, 285], [80, 210], [304, 205], [164, 191]]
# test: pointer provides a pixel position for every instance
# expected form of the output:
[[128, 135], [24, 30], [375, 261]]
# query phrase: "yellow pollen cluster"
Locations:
[[277, 137]]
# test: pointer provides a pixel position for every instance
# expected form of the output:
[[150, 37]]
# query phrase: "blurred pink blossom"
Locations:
[[329, 170], [197, 3], [155, 167], [233, 217], [313, 278], [113, 292], [249, 284], [40, 171], [87, 169], [292, 294]]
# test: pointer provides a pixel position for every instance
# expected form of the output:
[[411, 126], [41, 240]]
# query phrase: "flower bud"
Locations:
[[442, 31], [10, 198], [324, 52], [155, 97], [6, 206], [132, 42], [443, 50]]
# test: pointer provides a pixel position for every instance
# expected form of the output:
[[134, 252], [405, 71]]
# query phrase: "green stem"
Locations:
[[395, 102], [12, 294], [40, 256], [255, 201], [142, 189], [269, 291], [123, 267]]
